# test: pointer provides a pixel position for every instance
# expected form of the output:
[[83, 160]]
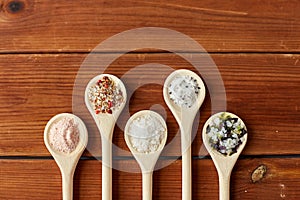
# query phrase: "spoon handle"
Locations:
[[147, 185], [224, 187], [106, 169], [67, 187], [186, 175], [186, 132]]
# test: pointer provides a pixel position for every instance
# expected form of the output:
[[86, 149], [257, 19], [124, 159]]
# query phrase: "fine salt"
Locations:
[[146, 133], [64, 135]]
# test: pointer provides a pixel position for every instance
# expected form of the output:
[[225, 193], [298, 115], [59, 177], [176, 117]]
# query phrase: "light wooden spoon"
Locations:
[[224, 163], [146, 161], [106, 123], [67, 161], [185, 118]]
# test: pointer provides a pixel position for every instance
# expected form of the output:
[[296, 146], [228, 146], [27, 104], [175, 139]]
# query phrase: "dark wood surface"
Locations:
[[78, 26], [40, 179], [254, 44], [261, 89]]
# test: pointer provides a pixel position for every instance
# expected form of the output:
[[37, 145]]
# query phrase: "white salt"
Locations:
[[183, 91], [146, 133]]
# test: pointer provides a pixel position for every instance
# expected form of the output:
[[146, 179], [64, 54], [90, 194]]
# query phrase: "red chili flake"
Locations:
[[99, 81], [102, 95]]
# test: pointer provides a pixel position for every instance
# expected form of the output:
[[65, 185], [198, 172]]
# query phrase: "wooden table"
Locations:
[[255, 45]]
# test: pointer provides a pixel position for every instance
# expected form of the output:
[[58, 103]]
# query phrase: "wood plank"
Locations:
[[78, 26], [261, 88], [40, 179]]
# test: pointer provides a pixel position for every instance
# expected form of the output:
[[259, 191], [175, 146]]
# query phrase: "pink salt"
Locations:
[[64, 135]]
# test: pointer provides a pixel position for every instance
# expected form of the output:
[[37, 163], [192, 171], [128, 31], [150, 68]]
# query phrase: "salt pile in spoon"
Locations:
[[183, 91], [64, 135], [146, 133]]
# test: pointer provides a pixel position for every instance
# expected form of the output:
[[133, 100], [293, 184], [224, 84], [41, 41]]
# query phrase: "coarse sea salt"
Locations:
[[184, 91], [146, 133], [64, 135]]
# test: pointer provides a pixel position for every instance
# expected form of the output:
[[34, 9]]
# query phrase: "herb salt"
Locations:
[[226, 133]]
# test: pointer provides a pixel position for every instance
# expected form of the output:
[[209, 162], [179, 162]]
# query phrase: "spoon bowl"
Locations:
[[185, 117], [223, 163], [105, 123], [67, 161], [147, 160], [177, 110]]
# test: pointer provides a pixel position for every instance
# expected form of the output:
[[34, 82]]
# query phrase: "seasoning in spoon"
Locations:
[[105, 96], [64, 135], [226, 133], [146, 133], [183, 91]]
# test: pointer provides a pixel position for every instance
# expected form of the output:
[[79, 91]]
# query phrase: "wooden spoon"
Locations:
[[223, 163], [146, 161], [185, 118], [67, 161], [106, 123]]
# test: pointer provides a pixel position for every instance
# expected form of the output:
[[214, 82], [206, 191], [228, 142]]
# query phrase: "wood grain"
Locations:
[[263, 89], [78, 26], [40, 179], [44, 70]]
